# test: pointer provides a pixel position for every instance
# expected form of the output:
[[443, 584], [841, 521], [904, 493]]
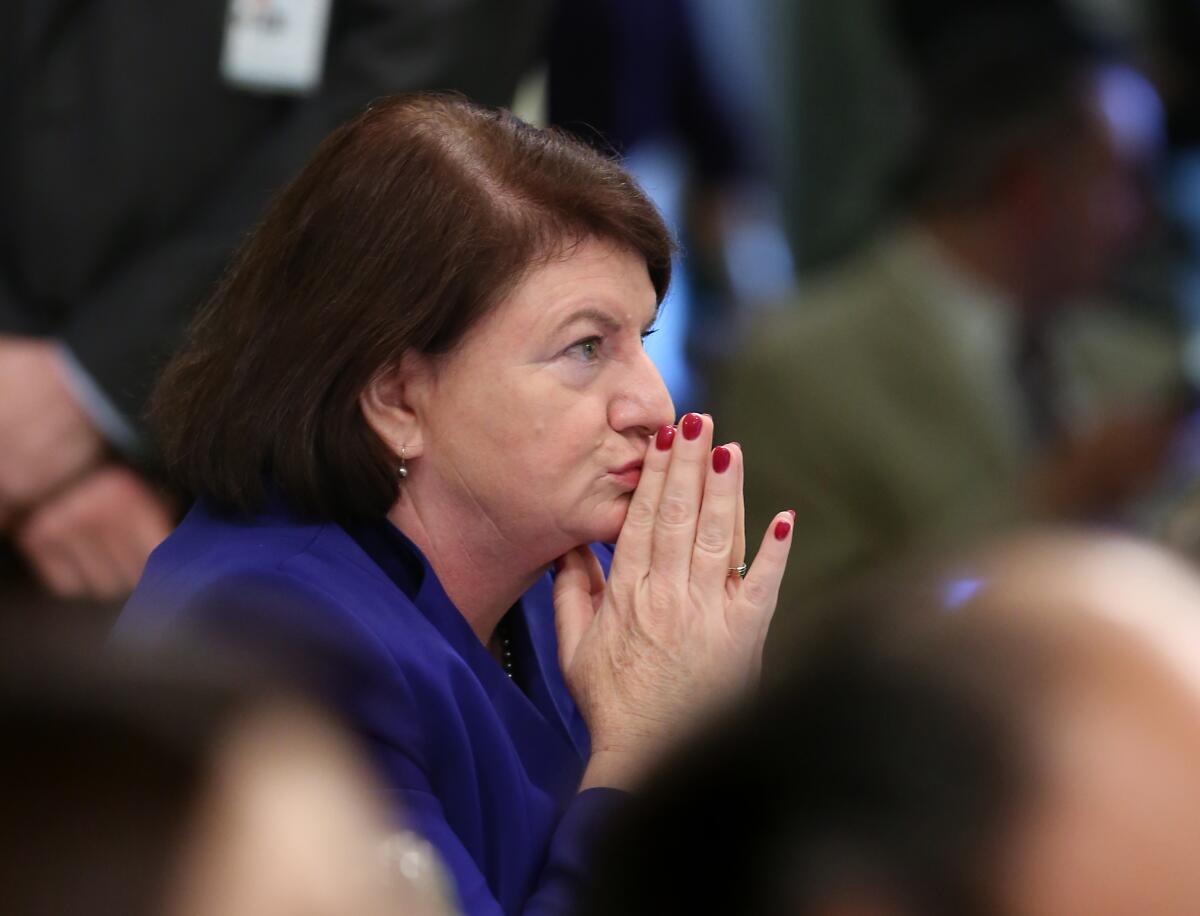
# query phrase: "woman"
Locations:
[[422, 385]]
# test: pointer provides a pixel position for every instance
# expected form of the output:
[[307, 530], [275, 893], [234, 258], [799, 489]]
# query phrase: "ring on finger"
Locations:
[[739, 571]]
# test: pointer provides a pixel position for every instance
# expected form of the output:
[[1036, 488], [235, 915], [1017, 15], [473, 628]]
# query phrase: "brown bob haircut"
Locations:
[[408, 225]]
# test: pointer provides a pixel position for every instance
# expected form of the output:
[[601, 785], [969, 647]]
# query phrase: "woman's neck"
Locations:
[[479, 570]]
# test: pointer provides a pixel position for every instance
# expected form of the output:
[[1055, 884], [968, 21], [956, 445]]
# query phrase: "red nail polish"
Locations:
[[666, 435], [720, 459], [782, 530], [691, 425]]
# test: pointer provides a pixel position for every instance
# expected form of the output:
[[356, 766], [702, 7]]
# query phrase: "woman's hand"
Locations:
[[672, 632]]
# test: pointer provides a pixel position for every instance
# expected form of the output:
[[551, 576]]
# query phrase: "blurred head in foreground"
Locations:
[[138, 793], [1018, 738]]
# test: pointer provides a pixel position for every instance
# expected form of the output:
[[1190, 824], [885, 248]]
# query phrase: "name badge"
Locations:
[[275, 45]]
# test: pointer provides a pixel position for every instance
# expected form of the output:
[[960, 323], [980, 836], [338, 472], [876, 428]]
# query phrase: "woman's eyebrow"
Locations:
[[590, 313]]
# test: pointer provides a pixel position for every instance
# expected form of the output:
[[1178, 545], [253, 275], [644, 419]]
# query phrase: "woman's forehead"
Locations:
[[589, 279]]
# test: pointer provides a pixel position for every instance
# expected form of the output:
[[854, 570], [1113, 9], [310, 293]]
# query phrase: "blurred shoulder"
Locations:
[[836, 315]]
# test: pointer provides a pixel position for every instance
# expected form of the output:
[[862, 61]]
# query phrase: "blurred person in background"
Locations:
[[131, 790], [676, 88], [847, 100], [1017, 736], [420, 387], [932, 387], [139, 144], [844, 120]]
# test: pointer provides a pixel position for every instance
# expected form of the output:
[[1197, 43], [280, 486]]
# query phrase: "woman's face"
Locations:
[[539, 420]]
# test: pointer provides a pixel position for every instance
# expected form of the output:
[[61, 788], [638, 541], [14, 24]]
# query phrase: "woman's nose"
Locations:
[[642, 403]]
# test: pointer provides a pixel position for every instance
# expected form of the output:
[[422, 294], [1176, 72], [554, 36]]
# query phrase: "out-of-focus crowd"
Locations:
[[988, 213], [939, 276]]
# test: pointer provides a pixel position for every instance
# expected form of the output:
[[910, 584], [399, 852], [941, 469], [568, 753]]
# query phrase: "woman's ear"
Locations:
[[391, 404]]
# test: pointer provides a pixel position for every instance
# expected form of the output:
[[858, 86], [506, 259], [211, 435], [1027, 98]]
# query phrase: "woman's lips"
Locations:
[[628, 474]]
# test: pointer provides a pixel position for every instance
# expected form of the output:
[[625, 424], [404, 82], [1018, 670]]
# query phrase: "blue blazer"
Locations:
[[487, 771]]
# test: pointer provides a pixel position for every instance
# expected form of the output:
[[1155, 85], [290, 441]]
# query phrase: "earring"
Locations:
[[403, 467]]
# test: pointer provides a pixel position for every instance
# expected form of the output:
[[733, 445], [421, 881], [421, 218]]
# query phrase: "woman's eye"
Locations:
[[587, 350], [646, 334]]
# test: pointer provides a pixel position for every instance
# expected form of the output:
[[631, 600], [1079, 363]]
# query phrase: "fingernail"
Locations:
[[666, 435], [720, 459], [691, 425], [782, 530]]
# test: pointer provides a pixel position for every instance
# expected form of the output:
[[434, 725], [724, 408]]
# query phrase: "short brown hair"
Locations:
[[409, 223]]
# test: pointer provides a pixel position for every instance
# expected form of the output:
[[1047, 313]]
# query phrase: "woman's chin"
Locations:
[[598, 523], [606, 526]]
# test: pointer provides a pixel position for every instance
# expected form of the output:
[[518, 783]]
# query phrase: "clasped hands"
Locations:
[[83, 523], [672, 632]]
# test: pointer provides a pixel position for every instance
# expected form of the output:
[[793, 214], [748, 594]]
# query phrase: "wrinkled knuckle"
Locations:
[[662, 601], [713, 540], [622, 587], [757, 592], [674, 511], [640, 513]]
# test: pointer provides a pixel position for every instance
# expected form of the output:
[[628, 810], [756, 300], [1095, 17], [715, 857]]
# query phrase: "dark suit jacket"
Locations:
[[488, 772], [129, 170]]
